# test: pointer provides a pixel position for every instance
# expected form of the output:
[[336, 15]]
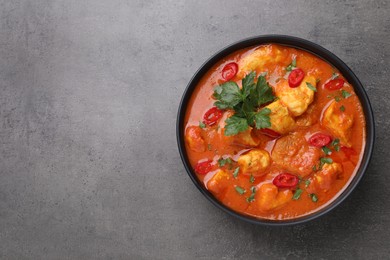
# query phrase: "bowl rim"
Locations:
[[297, 43]]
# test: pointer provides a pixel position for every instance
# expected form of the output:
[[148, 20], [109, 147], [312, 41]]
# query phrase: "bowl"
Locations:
[[297, 43]]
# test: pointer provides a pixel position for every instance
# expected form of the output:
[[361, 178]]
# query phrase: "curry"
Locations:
[[274, 132]]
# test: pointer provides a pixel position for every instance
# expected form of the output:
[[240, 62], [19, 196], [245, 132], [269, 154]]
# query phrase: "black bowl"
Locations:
[[299, 44]]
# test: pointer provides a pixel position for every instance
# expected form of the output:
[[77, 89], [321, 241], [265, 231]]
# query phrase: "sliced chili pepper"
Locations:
[[269, 132], [229, 71], [285, 180], [334, 84], [212, 116], [320, 140], [295, 78], [203, 168]]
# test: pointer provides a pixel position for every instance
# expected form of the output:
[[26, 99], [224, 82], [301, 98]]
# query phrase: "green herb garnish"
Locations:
[[336, 144], [223, 162], [236, 171], [313, 197], [252, 196], [345, 94], [240, 190], [342, 108], [307, 183], [310, 86], [297, 194], [201, 124], [334, 75], [209, 147], [292, 65], [326, 150], [245, 103], [252, 179], [337, 98]]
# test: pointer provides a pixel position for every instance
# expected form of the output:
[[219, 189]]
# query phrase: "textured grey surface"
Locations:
[[89, 167]]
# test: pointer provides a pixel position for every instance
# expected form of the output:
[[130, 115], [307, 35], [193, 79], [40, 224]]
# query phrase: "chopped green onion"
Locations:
[[240, 190], [310, 86], [297, 194], [236, 171]]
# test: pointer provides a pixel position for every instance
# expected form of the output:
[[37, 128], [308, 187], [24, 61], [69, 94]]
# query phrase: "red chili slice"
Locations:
[[295, 78], [285, 180], [203, 168], [334, 84], [229, 71], [212, 116], [270, 133], [320, 140]]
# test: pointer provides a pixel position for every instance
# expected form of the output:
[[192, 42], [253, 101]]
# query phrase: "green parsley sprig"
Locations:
[[245, 102]]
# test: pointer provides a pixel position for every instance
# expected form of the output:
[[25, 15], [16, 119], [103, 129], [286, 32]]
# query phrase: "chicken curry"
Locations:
[[274, 132]]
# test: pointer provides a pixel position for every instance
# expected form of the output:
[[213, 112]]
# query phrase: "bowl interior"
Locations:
[[299, 44]]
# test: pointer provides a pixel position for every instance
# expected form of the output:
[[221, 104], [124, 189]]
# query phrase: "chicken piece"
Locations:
[[254, 162], [296, 99], [269, 198], [293, 153], [246, 138], [194, 139], [280, 118], [257, 60], [339, 123], [324, 179], [219, 182]]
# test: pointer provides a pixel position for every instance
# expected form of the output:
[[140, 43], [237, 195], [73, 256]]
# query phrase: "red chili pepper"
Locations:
[[320, 140], [229, 71], [295, 78], [203, 168], [212, 116], [285, 180], [334, 84], [270, 133]]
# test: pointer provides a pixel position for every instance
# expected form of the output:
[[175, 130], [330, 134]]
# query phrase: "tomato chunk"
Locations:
[[203, 168], [334, 84], [229, 71], [212, 116], [269, 132], [295, 78], [320, 140], [285, 180]]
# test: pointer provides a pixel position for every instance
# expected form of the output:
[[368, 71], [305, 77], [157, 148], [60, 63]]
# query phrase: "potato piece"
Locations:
[[339, 123], [281, 121], [268, 197], [246, 138], [257, 60], [324, 179], [296, 99], [194, 139], [219, 182], [254, 162], [293, 153]]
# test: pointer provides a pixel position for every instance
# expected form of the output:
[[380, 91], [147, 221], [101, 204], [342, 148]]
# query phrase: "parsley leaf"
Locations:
[[326, 150], [235, 124], [297, 194], [345, 94], [313, 197], [240, 190], [292, 65], [228, 95], [262, 119], [310, 86], [236, 171], [201, 124]]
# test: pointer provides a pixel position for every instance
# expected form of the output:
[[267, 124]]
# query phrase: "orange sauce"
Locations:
[[220, 146]]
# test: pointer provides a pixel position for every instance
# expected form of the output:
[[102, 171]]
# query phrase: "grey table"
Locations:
[[89, 166]]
